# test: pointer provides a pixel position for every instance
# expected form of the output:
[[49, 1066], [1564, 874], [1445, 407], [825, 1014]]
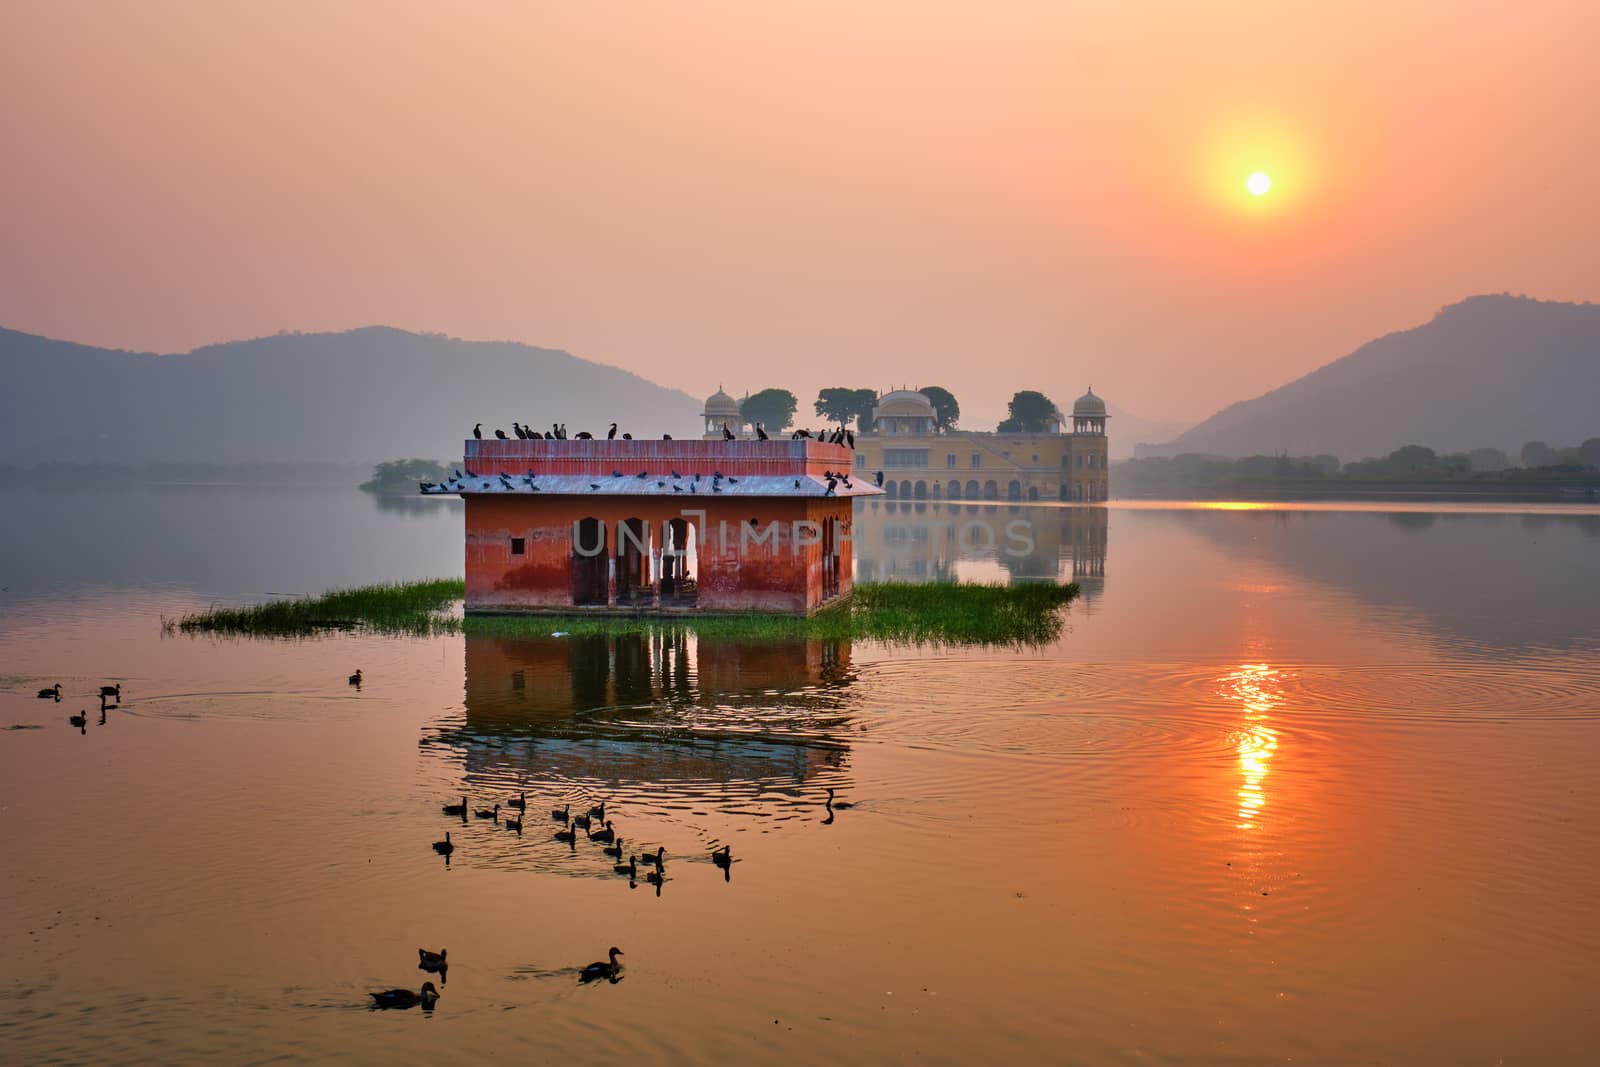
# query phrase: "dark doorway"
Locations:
[[634, 587], [591, 564]]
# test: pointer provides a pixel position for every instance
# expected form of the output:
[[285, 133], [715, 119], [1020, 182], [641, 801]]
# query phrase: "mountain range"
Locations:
[[364, 395], [1490, 371]]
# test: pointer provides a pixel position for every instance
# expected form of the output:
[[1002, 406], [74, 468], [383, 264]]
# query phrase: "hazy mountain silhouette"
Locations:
[[1493, 371], [364, 395]]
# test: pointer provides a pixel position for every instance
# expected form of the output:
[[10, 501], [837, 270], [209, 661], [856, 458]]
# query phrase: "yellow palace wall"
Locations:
[[987, 466]]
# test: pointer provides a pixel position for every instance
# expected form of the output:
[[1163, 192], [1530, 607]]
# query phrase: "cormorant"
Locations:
[[642, 474], [627, 437], [500, 435], [880, 479], [431, 961], [585, 435], [457, 809], [613, 432], [727, 434], [666, 437], [761, 434], [850, 439], [477, 431]]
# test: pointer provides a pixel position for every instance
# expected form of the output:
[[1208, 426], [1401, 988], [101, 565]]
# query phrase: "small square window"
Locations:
[[950, 460], [977, 459], [519, 545]]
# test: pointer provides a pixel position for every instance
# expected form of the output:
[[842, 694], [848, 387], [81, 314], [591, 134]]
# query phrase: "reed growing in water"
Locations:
[[898, 612]]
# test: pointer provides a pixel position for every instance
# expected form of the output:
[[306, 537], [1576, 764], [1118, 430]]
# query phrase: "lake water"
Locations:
[[1309, 784]]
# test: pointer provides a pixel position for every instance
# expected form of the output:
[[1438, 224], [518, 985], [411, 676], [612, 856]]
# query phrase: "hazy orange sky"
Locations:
[[983, 196]]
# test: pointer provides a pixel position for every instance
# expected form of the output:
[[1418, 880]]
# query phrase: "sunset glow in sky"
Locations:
[[987, 197]]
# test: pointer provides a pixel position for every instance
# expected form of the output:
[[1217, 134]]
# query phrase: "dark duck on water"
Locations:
[[405, 998], [603, 969]]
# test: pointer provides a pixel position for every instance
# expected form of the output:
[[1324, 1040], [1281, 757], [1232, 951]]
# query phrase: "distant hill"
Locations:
[[1491, 371], [361, 396]]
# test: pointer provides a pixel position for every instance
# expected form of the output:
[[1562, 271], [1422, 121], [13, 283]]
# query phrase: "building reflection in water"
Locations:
[[930, 540], [651, 713], [1257, 688]]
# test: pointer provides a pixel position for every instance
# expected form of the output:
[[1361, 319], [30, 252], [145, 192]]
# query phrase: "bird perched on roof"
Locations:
[[642, 474], [427, 487], [661, 485], [612, 433], [594, 485], [615, 473], [477, 431], [880, 479], [727, 434], [585, 435], [500, 435], [733, 481], [516, 428], [760, 433], [666, 437], [627, 437], [506, 482], [675, 474], [677, 489], [797, 483], [850, 439]]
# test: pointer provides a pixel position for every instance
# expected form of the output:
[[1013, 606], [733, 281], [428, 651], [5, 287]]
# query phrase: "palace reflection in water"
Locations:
[[653, 713], [933, 541]]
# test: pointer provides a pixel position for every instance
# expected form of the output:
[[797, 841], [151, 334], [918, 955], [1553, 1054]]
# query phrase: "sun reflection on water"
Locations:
[[1258, 688]]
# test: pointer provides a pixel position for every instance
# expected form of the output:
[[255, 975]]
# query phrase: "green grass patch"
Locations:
[[417, 608], [896, 612]]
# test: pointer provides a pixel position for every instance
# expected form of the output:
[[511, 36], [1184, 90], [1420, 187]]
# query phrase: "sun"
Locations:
[[1258, 183]]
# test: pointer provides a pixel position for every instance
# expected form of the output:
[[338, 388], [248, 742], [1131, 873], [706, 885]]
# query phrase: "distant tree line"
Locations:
[[402, 475], [1411, 463]]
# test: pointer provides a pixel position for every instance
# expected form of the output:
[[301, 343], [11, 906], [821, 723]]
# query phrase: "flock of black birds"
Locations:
[[596, 828], [108, 694], [558, 432]]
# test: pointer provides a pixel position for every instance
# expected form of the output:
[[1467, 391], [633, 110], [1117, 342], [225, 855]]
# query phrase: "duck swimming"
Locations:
[[355, 679], [842, 805], [521, 803], [598, 811], [722, 857], [404, 998], [608, 834], [53, 693], [614, 850], [111, 691], [631, 868], [656, 878], [431, 961], [79, 720], [657, 858], [457, 809], [568, 836], [494, 813], [581, 822], [603, 969], [560, 814], [444, 848], [513, 824]]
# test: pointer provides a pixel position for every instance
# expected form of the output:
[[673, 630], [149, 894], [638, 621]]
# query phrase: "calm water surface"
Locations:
[[1301, 784]]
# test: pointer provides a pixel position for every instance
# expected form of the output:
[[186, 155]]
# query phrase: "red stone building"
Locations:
[[670, 527]]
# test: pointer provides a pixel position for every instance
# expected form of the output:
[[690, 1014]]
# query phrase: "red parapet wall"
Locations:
[[599, 458]]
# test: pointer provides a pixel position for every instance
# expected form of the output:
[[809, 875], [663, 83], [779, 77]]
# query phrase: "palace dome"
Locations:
[[720, 404], [1089, 406], [905, 403]]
